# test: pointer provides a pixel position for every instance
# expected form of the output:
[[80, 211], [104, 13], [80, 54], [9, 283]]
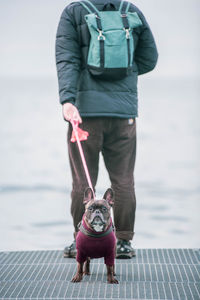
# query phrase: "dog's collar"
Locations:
[[91, 234]]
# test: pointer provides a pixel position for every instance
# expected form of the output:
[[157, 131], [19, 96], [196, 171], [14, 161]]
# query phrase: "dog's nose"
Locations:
[[97, 211]]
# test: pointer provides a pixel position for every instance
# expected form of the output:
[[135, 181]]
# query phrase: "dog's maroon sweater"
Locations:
[[96, 247]]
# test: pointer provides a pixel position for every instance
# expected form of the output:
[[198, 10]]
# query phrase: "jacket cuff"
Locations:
[[68, 101]]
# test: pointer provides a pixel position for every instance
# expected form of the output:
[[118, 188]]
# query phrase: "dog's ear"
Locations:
[[109, 196], [88, 195]]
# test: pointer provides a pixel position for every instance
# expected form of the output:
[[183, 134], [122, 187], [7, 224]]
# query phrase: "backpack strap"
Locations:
[[90, 5], [86, 4], [101, 37], [123, 9], [86, 7]]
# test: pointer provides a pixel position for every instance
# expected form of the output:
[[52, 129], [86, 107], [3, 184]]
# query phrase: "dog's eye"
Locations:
[[104, 209], [90, 208]]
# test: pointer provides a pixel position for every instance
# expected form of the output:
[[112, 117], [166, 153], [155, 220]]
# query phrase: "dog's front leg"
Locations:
[[86, 268], [110, 274], [114, 273], [79, 273]]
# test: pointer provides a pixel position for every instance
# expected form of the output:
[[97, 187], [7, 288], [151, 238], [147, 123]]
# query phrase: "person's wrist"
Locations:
[[67, 111], [70, 112], [68, 104]]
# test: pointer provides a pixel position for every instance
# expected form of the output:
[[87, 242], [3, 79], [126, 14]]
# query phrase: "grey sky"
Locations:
[[28, 28]]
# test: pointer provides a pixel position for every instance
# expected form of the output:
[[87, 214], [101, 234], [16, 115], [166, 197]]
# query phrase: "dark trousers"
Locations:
[[116, 139]]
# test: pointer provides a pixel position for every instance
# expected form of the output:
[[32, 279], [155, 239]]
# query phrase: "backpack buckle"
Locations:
[[101, 36], [127, 32]]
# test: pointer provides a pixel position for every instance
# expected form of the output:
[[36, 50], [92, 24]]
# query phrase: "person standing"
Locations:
[[107, 109]]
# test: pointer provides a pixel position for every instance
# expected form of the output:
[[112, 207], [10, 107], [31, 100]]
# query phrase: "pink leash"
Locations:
[[75, 129]]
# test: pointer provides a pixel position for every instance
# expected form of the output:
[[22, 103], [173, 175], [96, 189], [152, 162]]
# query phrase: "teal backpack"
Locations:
[[111, 49]]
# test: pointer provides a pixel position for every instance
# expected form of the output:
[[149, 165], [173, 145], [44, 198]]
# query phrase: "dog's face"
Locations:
[[97, 212]]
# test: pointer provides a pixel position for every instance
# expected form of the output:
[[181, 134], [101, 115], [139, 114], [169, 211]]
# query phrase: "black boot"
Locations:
[[124, 249]]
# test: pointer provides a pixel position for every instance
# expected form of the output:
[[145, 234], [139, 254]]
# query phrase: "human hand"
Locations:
[[70, 113]]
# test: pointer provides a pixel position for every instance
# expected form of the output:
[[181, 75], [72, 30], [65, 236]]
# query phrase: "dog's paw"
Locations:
[[112, 280], [77, 278], [86, 273]]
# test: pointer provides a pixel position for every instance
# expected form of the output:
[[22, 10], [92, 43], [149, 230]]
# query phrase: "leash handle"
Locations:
[[75, 124]]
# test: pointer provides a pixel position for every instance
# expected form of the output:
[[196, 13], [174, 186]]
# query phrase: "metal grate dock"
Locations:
[[153, 274]]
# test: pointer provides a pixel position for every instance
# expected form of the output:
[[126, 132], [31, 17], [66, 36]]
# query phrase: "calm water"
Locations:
[[35, 178]]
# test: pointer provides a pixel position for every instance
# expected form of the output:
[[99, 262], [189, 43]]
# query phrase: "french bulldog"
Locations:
[[96, 237]]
